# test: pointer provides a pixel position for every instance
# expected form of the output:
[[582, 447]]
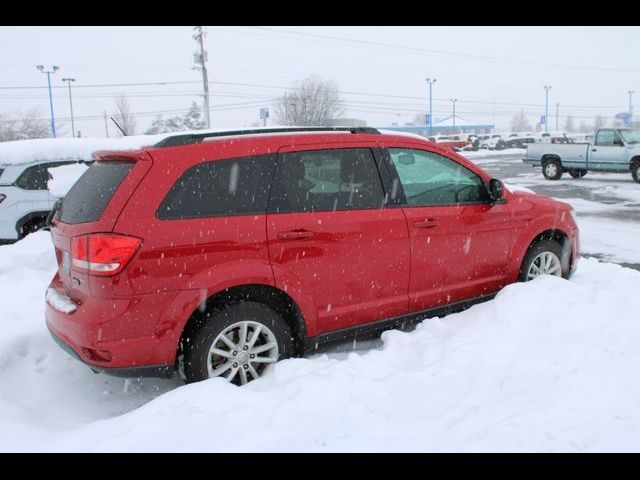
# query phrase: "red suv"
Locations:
[[223, 252]]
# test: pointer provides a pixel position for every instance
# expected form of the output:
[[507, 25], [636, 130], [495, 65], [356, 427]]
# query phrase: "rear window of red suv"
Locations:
[[89, 196]]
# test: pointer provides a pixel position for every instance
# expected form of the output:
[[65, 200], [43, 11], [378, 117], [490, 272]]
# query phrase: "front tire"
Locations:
[[239, 342], [545, 257], [552, 169]]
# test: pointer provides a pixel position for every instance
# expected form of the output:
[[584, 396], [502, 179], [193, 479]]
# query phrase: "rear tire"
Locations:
[[31, 226], [552, 169], [635, 173], [213, 345], [545, 257], [577, 173]]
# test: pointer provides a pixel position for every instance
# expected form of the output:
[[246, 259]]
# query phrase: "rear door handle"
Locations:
[[300, 234], [427, 223]]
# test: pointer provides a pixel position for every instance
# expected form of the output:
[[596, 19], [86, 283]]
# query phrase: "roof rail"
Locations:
[[187, 138]]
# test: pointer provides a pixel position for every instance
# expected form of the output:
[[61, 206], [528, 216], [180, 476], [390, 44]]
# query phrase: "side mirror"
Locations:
[[617, 142], [495, 190]]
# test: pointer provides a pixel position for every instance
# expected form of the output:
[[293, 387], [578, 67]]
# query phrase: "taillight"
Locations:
[[102, 253], [2, 197]]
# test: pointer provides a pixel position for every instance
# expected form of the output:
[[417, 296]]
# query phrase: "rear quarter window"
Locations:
[[238, 186], [89, 196]]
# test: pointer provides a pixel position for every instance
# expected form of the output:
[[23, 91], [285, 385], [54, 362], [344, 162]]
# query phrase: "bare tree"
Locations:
[[600, 122], [312, 101], [123, 115], [23, 125], [519, 123], [569, 125], [584, 128]]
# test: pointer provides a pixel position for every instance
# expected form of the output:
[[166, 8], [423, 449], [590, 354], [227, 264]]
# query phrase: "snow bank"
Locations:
[[551, 365], [64, 177], [54, 149]]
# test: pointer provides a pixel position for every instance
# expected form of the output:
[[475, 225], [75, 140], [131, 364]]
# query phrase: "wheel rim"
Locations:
[[242, 352], [551, 170], [547, 263]]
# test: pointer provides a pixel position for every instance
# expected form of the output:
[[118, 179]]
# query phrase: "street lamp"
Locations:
[[431, 81], [454, 100], [73, 126], [630, 92], [54, 69], [546, 108]]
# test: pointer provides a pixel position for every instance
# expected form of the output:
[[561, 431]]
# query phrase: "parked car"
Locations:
[[614, 150], [517, 142], [219, 254], [25, 201], [445, 141]]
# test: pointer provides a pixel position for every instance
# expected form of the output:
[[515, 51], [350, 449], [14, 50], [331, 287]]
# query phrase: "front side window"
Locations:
[[431, 179], [238, 186], [326, 180]]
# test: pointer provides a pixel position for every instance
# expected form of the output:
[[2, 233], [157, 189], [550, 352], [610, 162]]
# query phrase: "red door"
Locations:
[[331, 241], [459, 241]]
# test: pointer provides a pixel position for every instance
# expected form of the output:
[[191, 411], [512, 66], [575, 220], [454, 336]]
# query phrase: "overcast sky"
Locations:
[[492, 71]]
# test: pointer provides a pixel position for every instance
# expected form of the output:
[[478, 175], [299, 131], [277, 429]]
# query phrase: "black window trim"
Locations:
[[376, 162], [395, 175], [268, 157]]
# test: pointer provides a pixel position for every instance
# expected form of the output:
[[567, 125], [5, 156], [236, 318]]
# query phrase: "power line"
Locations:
[[438, 52]]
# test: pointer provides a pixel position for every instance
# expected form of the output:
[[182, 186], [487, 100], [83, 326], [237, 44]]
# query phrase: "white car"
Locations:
[[25, 200]]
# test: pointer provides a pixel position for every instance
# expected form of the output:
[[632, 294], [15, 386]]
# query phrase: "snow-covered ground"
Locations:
[[550, 365]]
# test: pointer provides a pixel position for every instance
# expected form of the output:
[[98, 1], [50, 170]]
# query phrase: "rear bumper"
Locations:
[[157, 371], [8, 230], [117, 336]]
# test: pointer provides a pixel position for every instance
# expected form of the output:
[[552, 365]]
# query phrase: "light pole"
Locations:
[[454, 100], [630, 92], [54, 69], [557, 113], [431, 81], [73, 126], [546, 108]]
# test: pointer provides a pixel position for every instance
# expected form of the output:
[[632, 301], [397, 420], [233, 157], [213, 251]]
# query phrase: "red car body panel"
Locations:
[[347, 268]]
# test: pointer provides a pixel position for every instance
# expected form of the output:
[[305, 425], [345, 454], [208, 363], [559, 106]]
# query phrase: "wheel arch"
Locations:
[[556, 234], [268, 295], [29, 217]]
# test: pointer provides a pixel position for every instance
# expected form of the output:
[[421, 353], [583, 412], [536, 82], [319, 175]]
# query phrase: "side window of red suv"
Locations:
[[237, 186], [326, 180], [431, 179]]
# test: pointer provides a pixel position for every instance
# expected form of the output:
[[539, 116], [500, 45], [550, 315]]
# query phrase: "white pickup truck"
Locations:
[[613, 150]]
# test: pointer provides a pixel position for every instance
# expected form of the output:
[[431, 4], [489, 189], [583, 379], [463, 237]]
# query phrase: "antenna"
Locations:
[[119, 128]]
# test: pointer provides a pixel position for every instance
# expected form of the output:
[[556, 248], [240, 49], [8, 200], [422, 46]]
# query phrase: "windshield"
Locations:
[[630, 136]]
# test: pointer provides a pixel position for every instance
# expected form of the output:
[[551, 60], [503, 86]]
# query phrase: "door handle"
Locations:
[[300, 234], [594, 150], [427, 223]]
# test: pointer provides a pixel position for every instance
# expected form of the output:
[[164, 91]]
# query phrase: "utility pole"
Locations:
[[73, 125], [106, 124], [431, 81], [630, 92], [454, 100], [200, 59], [557, 110], [546, 108], [54, 69]]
